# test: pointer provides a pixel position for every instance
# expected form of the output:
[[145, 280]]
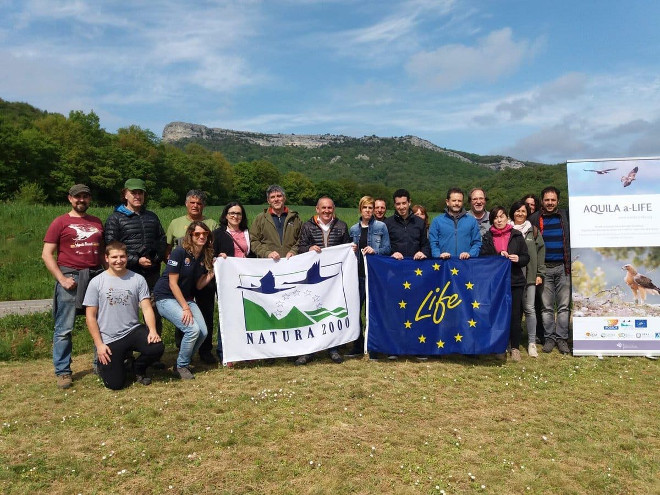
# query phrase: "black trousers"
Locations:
[[205, 299], [113, 374]]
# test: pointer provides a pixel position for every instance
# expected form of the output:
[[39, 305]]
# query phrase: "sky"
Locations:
[[535, 80]]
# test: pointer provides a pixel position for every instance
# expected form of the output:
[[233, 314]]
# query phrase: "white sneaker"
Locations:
[[531, 350]]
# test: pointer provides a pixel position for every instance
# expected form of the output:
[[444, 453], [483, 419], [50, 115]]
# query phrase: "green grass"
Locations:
[[22, 229], [555, 425]]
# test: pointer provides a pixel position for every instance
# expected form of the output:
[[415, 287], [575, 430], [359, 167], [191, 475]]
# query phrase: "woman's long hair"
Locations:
[[243, 225], [207, 250]]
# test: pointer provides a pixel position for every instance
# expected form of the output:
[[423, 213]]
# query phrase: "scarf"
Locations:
[[501, 237]]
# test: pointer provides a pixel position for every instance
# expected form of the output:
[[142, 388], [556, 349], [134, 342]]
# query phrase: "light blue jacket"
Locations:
[[377, 236], [454, 235]]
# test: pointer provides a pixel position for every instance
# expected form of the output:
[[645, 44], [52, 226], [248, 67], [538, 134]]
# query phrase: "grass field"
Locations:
[[555, 425]]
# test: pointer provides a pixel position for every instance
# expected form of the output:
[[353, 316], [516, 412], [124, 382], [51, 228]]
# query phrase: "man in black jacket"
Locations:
[[140, 229], [320, 231], [407, 231]]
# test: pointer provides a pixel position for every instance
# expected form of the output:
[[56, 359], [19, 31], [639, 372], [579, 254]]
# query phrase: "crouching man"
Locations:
[[112, 301]]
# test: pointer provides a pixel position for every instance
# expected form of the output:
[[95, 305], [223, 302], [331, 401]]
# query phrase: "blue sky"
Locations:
[[536, 80]]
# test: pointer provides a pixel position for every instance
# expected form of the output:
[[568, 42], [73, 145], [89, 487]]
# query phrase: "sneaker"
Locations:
[[549, 345], [143, 379], [531, 350], [392, 357], [64, 381], [183, 372], [515, 355], [207, 357], [336, 357], [158, 365], [373, 356], [562, 346], [304, 359], [500, 356], [421, 359]]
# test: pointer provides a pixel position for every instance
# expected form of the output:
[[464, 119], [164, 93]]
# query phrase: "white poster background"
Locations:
[[325, 296], [615, 203]]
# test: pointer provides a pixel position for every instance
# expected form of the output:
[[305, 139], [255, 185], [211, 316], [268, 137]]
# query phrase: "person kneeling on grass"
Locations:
[[112, 301], [190, 266]]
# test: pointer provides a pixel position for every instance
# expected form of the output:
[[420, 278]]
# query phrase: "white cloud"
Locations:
[[451, 65]]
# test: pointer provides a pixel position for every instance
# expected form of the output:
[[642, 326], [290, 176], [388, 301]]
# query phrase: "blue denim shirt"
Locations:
[[377, 236]]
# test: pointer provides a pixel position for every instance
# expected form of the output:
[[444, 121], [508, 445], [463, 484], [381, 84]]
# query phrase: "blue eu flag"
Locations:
[[438, 306]]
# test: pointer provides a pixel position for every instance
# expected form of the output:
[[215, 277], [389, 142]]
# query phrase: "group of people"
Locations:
[[109, 272]]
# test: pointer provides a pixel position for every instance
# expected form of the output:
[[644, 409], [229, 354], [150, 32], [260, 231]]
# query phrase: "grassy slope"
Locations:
[[555, 425]]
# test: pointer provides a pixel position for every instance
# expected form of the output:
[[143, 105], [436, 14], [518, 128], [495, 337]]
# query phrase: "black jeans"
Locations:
[[113, 374]]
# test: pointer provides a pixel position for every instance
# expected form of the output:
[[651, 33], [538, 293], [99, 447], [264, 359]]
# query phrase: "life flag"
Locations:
[[302, 305], [434, 307]]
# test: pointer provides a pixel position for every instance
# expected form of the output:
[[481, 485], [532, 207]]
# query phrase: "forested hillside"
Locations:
[[42, 154]]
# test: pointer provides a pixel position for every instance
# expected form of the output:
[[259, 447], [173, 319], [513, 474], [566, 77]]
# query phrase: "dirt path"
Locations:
[[25, 307]]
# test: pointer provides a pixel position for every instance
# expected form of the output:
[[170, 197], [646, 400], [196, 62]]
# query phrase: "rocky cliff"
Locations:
[[176, 131]]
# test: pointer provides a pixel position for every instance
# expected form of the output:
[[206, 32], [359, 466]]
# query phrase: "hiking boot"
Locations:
[[531, 350], [549, 345], [183, 372], [515, 355], [64, 381], [143, 379], [207, 357], [562, 346], [336, 357], [302, 360], [355, 352]]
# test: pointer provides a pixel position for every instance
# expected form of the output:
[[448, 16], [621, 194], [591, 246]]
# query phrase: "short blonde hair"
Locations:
[[366, 200]]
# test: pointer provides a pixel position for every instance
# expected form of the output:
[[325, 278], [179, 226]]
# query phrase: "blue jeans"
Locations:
[[530, 312], [64, 314], [193, 335], [556, 292]]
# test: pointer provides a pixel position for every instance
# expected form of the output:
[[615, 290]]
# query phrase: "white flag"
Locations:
[[302, 305]]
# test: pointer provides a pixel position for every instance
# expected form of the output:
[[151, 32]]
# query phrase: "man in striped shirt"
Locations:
[[556, 295]]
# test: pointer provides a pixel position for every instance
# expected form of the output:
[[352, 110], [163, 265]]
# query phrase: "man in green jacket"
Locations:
[[275, 232]]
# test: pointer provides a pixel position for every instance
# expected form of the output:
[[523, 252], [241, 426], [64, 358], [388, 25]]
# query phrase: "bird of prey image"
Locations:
[[628, 179], [600, 172], [639, 284]]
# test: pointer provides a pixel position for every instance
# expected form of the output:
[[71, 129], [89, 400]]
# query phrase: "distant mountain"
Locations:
[[406, 161]]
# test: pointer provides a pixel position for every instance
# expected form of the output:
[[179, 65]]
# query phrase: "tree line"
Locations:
[[42, 154]]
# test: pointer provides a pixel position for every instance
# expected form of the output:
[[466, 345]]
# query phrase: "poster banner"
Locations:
[[615, 249], [434, 307], [289, 307]]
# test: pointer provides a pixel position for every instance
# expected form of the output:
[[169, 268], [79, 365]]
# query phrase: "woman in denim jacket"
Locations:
[[371, 237]]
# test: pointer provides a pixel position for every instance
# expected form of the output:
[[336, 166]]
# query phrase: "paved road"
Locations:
[[25, 307]]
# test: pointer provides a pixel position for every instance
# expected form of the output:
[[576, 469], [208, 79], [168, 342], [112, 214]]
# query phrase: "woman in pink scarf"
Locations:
[[503, 240]]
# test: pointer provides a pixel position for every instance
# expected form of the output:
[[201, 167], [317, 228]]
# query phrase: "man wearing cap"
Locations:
[[140, 229], [205, 298], [73, 254]]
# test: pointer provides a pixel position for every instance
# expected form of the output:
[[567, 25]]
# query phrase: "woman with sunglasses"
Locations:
[[231, 239], [190, 266]]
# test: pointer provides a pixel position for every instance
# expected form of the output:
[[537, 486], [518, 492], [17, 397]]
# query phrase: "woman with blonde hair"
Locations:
[[190, 266], [369, 236]]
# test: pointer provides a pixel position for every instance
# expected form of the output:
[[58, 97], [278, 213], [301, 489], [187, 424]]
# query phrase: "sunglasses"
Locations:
[[200, 234]]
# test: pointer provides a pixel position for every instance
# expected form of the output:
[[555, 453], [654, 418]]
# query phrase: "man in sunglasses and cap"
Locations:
[[73, 254], [142, 233]]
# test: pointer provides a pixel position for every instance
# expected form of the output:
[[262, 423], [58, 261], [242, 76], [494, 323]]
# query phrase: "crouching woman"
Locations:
[[190, 266]]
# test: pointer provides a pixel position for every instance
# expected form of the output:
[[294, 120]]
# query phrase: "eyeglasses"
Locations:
[[234, 214], [200, 234]]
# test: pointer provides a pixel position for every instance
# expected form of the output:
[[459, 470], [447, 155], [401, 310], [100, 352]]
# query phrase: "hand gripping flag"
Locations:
[[289, 307], [433, 307]]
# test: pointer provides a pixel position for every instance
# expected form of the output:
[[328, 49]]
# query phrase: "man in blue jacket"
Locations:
[[455, 233]]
